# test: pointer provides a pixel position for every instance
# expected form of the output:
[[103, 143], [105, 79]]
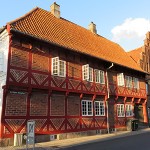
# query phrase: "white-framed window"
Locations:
[[87, 73], [129, 110], [58, 67], [99, 108], [135, 83], [120, 110], [128, 81], [90, 74], [87, 108], [99, 76], [120, 79]]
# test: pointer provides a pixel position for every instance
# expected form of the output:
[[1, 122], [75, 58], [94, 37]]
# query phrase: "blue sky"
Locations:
[[123, 21]]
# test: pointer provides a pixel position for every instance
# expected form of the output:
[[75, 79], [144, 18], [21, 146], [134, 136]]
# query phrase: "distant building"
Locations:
[[141, 56], [67, 78]]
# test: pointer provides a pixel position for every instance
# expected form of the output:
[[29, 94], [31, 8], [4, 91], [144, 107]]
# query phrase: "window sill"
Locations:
[[59, 76]]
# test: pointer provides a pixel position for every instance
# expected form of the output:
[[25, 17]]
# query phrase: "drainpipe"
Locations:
[[108, 94]]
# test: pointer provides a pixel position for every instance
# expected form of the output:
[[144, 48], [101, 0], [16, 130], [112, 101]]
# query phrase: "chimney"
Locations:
[[92, 28], [55, 10]]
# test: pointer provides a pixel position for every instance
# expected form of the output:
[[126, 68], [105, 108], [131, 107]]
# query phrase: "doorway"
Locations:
[[138, 111]]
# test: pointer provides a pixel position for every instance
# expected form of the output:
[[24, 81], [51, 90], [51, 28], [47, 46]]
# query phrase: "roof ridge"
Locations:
[[80, 26], [36, 8], [23, 16]]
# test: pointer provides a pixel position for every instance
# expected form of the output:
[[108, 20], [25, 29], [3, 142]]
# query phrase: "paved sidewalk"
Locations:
[[57, 144]]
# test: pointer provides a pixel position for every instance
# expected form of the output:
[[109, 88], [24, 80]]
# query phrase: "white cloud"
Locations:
[[131, 30]]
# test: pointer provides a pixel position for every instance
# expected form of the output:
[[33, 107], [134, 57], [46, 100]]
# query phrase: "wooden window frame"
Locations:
[[129, 83], [135, 83], [87, 73], [99, 76], [120, 79], [99, 107], [86, 111], [129, 110], [56, 66], [120, 110]]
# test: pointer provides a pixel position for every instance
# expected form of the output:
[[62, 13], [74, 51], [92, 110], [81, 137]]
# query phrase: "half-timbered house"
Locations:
[[69, 79]]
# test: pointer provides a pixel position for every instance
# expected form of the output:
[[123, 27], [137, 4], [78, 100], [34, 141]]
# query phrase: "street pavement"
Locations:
[[134, 142], [68, 143]]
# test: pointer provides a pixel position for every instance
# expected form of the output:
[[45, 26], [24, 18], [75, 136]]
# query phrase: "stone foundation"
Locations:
[[46, 138], [80, 134], [6, 142]]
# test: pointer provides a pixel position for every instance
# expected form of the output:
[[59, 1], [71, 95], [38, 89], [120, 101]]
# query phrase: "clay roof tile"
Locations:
[[42, 24]]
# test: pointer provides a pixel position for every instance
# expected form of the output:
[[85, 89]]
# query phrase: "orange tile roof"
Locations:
[[43, 25], [135, 54]]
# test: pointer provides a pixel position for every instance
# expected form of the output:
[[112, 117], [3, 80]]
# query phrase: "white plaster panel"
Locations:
[[4, 45]]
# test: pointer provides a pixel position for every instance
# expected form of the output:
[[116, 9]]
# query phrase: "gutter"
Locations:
[[108, 95]]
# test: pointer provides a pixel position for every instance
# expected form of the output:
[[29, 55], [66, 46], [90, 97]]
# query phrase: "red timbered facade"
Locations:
[[62, 81], [141, 56]]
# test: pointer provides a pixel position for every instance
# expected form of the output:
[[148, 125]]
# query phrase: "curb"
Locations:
[[106, 137], [68, 143]]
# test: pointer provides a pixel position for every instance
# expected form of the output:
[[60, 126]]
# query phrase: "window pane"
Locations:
[[87, 109], [129, 110], [136, 83], [120, 110], [58, 67], [97, 76], [129, 81], [84, 111], [102, 79], [62, 68], [55, 62], [120, 79], [99, 108], [102, 110], [85, 72], [90, 74]]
